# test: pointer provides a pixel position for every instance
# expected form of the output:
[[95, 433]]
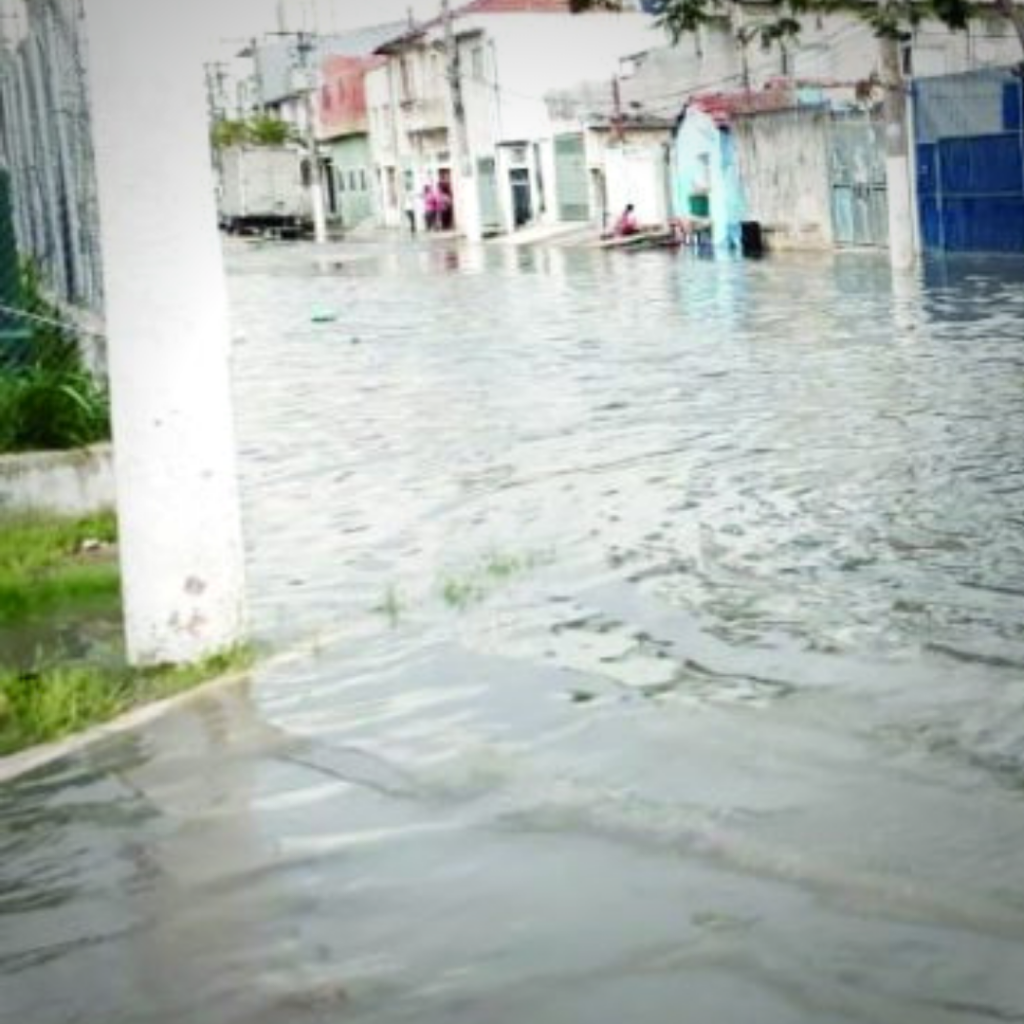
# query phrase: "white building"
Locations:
[[504, 159]]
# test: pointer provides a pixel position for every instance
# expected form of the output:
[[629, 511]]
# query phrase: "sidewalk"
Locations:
[[562, 235], [541, 234]]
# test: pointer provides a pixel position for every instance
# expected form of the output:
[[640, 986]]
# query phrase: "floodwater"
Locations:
[[659, 656]]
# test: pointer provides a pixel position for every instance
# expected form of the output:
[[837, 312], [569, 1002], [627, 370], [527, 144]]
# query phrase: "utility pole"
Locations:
[[455, 86], [305, 46], [469, 213], [215, 78], [744, 37], [167, 329], [248, 92], [897, 161], [619, 131]]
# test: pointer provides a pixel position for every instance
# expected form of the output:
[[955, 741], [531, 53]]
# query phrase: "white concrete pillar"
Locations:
[[897, 163], [316, 200], [467, 208], [167, 330], [902, 250]]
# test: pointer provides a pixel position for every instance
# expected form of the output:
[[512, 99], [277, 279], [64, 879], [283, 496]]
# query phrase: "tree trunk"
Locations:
[[897, 162]]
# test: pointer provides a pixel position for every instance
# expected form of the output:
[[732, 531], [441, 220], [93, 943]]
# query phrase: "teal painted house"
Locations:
[[343, 132], [349, 185]]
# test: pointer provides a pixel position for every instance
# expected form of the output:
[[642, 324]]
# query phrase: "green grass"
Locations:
[[481, 580], [502, 567], [51, 574], [48, 399], [391, 606], [59, 700], [461, 594], [51, 409], [44, 569]]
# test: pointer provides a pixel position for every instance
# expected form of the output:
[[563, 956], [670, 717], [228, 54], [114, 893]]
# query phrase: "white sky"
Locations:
[[231, 22], [239, 18]]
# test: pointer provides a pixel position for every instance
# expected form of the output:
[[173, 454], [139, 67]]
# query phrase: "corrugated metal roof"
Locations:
[[363, 41]]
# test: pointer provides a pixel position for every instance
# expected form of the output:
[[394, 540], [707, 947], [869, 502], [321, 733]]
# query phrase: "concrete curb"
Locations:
[[76, 483], [16, 765]]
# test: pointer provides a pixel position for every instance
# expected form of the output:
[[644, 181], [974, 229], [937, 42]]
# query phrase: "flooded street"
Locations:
[[659, 657]]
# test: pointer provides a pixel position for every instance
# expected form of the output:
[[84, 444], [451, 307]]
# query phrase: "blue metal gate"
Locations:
[[970, 161]]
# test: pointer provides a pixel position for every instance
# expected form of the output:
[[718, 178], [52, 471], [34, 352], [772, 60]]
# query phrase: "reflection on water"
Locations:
[[662, 650]]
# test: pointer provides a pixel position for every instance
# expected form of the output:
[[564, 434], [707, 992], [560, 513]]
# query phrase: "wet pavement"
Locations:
[[660, 659]]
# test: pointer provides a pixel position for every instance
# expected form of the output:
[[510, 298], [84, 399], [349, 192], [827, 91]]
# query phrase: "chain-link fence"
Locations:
[[51, 295]]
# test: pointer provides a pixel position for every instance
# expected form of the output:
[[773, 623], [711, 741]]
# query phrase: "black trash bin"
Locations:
[[752, 239]]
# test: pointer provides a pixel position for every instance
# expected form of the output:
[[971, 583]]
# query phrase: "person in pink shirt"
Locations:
[[627, 223], [431, 206]]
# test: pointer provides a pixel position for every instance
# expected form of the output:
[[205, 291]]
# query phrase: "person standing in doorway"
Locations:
[[430, 206], [444, 206]]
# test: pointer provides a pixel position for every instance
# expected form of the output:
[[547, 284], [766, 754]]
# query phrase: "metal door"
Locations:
[[487, 186], [860, 208], [522, 198], [571, 178]]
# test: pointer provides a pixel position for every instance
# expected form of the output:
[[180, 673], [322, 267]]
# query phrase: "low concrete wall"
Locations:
[[67, 483], [783, 161]]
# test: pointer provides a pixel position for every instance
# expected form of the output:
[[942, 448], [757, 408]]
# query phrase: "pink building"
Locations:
[[342, 101]]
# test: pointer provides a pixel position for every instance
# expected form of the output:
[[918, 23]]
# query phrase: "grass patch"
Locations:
[[502, 567], [56, 701], [54, 572], [461, 594], [392, 606], [495, 569], [50, 565]]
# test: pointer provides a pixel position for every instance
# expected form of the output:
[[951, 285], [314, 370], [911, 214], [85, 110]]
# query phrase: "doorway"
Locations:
[[522, 196], [444, 183]]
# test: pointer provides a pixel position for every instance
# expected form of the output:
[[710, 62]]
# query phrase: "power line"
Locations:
[[47, 321]]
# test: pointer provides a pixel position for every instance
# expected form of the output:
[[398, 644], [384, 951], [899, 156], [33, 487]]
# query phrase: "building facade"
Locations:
[[461, 103], [342, 129]]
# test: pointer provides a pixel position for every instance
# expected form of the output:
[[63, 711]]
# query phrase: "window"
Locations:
[[325, 97], [341, 181], [352, 181], [362, 180], [477, 63]]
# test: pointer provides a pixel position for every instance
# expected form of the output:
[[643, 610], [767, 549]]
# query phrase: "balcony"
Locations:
[[424, 115]]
